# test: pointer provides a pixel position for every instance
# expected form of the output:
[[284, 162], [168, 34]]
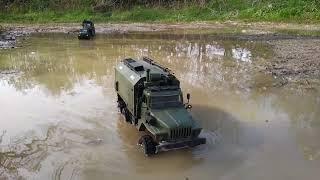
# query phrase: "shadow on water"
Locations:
[[223, 130], [227, 127], [230, 141]]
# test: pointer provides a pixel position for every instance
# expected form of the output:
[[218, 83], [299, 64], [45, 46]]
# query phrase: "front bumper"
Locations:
[[83, 36], [166, 146]]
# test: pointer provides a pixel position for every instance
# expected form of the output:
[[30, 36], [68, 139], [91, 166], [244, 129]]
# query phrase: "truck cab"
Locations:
[[87, 31], [150, 97]]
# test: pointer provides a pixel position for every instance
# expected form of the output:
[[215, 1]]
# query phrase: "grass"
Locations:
[[306, 11]]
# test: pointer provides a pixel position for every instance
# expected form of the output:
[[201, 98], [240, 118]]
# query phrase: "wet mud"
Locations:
[[296, 60], [7, 41], [59, 118], [8, 37]]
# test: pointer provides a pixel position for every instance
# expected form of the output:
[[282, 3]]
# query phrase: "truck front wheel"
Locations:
[[149, 146]]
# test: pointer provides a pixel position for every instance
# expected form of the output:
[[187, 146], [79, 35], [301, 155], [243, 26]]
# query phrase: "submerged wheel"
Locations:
[[149, 146], [126, 114], [123, 109]]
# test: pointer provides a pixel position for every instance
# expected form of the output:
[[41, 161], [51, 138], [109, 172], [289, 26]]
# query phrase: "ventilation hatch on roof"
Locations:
[[134, 65]]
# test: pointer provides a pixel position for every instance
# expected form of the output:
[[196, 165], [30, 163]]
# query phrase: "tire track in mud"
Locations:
[[13, 158], [29, 156]]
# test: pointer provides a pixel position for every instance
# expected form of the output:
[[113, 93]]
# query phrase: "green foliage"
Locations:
[[159, 10]]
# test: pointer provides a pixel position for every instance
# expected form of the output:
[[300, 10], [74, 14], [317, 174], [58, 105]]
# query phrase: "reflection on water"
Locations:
[[241, 54], [59, 119]]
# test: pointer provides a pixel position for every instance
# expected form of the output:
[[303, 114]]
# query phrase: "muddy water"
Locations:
[[58, 116]]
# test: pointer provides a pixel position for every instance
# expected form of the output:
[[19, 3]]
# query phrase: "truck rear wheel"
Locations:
[[123, 109], [127, 115]]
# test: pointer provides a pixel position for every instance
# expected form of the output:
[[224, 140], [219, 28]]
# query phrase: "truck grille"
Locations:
[[180, 133]]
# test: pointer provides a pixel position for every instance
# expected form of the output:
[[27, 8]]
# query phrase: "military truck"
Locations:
[[87, 31], [149, 96]]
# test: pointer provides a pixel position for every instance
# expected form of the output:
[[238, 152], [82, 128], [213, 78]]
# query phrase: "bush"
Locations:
[[159, 10]]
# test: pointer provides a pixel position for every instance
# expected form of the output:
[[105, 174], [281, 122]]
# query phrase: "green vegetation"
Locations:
[[42, 11]]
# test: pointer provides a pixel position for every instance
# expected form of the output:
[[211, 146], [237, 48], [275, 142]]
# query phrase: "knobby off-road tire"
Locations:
[[124, 110], [127, 115], [149, 146]]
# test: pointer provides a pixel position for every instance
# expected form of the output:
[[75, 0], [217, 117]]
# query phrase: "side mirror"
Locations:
[[188, 97]]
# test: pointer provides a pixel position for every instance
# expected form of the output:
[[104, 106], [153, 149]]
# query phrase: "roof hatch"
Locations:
[[134, 65]]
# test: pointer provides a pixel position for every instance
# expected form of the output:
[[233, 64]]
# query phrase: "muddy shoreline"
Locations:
[[244, 28], [295, 46]]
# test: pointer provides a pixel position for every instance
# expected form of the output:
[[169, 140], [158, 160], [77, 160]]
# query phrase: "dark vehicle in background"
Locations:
[[87, 31], [149, 96]]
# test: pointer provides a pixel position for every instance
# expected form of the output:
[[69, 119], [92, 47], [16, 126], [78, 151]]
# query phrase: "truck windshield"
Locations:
[[163, 101]]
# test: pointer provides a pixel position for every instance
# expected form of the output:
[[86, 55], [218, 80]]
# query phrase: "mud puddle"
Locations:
[[59, 118]]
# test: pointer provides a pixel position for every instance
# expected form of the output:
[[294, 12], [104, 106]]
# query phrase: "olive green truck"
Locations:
[[149, 96]]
